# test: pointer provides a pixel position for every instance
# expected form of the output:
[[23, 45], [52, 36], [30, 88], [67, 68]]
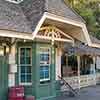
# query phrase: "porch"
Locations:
[[81, 67]]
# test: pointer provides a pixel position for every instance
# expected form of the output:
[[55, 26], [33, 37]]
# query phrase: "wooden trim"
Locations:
[[95, 45], [56, 39], [64, 40], [78, 60], [19, 77], [43, 37], [63, 19], [86, 34], [39, 25], [49, 52], [52, 27], [53, 30], [13, 34], [72, 22], [14, 1], [46, 15]]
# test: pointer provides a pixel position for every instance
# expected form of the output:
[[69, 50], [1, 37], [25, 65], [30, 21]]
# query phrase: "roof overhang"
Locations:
[[74, 28], [78, 29], [95, 45]]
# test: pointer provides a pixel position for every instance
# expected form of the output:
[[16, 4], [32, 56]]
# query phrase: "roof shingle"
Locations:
[[25, 16]]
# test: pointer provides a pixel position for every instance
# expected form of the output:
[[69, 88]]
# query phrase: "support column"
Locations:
[[12, 65], [58, 62], [94, 71], [78, 60]]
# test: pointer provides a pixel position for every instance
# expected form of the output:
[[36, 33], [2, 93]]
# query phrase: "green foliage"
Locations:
[[90, 11]]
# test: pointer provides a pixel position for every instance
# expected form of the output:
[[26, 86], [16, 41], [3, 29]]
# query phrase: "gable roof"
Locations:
[[60, 8], [25, 16]]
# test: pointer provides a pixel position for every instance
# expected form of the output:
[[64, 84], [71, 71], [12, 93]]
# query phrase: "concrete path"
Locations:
[[89, 93]]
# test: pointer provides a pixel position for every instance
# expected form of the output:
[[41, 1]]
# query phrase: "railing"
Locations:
[[98, 78], [73, 81], [87, 80], [82, 81], [67, 84]]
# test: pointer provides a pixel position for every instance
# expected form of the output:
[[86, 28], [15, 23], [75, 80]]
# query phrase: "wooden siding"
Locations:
[[3, 78], [40, 91]]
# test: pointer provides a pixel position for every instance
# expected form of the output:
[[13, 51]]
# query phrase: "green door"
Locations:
[[45, 72], [3, 78]]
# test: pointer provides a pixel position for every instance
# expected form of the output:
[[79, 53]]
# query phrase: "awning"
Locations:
[[84, 50]]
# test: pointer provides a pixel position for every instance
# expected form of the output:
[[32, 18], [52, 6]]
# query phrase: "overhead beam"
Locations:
[[13, 34]]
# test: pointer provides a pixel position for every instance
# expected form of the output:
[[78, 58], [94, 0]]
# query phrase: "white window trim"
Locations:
[[22, 83], [16, 2], [46, 79]]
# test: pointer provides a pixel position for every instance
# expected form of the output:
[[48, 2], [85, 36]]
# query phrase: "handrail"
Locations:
[[66, 83]]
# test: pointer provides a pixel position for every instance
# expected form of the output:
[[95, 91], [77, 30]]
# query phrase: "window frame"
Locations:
[[24, 83], [40, 52], [49, 65]]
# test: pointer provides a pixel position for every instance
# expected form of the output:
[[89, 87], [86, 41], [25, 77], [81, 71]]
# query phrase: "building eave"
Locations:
[[47, 15]]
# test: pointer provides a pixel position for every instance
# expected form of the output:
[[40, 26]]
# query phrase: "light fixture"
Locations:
[[24, 40], [52, 42]]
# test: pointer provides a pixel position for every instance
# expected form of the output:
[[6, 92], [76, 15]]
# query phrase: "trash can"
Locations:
[[16, 93]]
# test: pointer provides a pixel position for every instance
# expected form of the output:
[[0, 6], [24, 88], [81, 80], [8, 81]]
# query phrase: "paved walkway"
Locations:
[[90, 93]]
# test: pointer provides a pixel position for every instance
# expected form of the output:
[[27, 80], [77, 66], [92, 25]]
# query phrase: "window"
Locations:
[[69, 66], [15, 1], [45, 64], [87, 66], [25, 65]]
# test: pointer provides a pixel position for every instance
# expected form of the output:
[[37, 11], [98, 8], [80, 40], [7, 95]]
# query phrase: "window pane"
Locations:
[[28, 52], [46, 74], [41, 57], [25, 65], [28, 60], [22, 69], [41, 73], [28, 69], [22, 60], [29, 78], [44, 57], [44, 63], [22, 52], [22, 78]]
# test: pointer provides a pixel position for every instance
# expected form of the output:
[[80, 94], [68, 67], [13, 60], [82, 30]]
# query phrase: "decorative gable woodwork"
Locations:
[[54, 34]]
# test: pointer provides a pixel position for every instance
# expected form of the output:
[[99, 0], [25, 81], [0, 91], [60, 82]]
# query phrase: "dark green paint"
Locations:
[[3, 78], [47, 89], [42, 91]]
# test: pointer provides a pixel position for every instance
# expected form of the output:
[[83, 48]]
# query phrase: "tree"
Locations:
[[90, 11]]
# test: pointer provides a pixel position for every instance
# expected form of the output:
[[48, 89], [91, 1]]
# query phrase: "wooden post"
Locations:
[[94, 63], [78, 60], [12, 65], [58, 62]]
